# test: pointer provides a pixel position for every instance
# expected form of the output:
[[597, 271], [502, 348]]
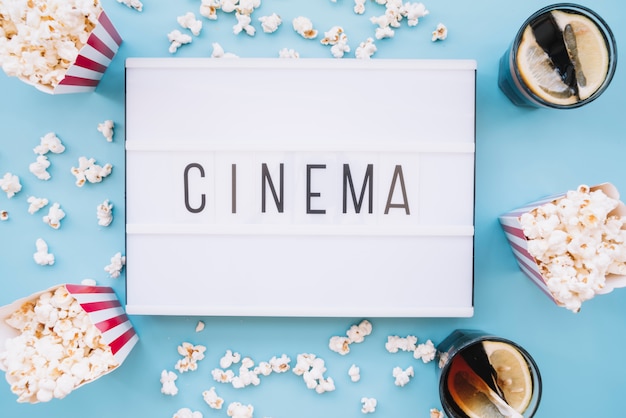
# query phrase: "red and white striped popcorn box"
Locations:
[[93, 59], [103, 308], [512, 227]]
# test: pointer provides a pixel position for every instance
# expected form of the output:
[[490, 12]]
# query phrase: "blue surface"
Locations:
[[521, 155]]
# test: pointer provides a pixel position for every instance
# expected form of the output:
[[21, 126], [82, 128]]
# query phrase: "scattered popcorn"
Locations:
[[36, 203], [200, 326], [435, 413], [280, 364], [440, 33], [238, 410], [104, 213], [229, 359], [359, 6], [40, 39], [304, 27], [288, 53], [243, 24], [57, 349], [106, 129], [338, 40], [577, 242], [270, 23], [229, 6], [402, 376], [42, 257], [246, 7], [209, 8], [49, 143], [355, 373], [54, 216], [10, 184], [187, 413], [396, 343], [39, 168], [4, 215], [425, 351], [369, 405], [339, 345], [223, 376], [89, 171], [188, 21], [133, 4], [117, 264], [357, 333], [168, 383], [366, 49], [192, 354], [413, 12], [177, 39], [386, 32], [211, 398], [88, 282], [312, 369], [247, 376], [218, 52]]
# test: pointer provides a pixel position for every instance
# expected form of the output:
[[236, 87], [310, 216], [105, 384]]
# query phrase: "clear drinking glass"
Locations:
[[564, 56], [493, 373]]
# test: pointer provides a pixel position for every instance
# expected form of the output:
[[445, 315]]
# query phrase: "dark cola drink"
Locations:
[[564, 56]]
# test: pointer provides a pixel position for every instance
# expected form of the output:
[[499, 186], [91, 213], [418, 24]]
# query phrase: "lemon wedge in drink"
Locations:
[[514, 379]]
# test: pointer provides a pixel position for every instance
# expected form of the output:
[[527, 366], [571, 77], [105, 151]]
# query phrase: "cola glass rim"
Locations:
[[460, 339], [610, 43]]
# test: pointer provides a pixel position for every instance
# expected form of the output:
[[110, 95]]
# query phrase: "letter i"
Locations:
[[233, 175]]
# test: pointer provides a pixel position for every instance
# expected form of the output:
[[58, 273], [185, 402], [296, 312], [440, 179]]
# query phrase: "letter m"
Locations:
[[367, 183]]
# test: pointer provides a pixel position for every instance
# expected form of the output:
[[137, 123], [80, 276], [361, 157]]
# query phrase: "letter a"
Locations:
[[397, 174]]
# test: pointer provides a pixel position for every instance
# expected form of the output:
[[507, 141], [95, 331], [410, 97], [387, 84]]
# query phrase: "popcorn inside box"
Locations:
[[57, 46], [572, 245], [59, 339]]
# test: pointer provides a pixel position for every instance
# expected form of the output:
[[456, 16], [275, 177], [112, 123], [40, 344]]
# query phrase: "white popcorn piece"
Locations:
[[10, 184], [42, 257], [36, 203], [425, 351], [402, 377], [106, 129], [440, 33], [357, 333], [54, 216], [577, 242], [280, 364], [263, 369], [396, 343], [239, 410], [304, 27], [339, 344], [338, 40], [209, 8], [270, 23], [366, 49], [223, 376], [288, 53], [246, 7], [312, 369], [229, 359], [4, 215], [50, 142], [88, 282], [243, 24], [218, 52], [189, 21], [187, 413], [199, 326], [368, 405], [40, 39], [229, 6], [117, 264], [133, 4], [40, 168], [104, 213], [359, 6], [177, 39], [355, 373], [212, 399], [192, 354], [89, 171], [168, 383], [386, 32], [413, 12], [435, 413]]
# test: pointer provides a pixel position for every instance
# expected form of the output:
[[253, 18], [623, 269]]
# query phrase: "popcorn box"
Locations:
[[104, 312], [530, 266], [84, 74]]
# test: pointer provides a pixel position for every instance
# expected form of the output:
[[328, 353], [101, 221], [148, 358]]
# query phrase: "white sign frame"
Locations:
[[209, 137]]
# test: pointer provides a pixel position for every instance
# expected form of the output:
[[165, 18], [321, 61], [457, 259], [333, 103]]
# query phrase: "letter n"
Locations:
[[267, 179]]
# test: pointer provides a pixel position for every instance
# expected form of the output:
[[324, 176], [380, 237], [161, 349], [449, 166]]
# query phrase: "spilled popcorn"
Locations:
[[239, 410], [288, 53], [42, 256], [133, 4], [117, 264], [218, 52], [338, 41], [402, 376], [369, 405], [177, 39], [312, 369], [89, 171], [168, 383], [104, 213], [4, 215], [192, 354], [189, 21], [270, 23], [577, 241], [106, 129], [187, 413], [304, 27], [440, 33], [40, 168], [54, 216], [10, 184], [212, 399], [50, 142], [355, 373], [36, 203], [356, 334], [57, 349], [366, 49]]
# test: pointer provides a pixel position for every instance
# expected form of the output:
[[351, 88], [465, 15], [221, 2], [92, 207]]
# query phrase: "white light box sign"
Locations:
[[300, 187]]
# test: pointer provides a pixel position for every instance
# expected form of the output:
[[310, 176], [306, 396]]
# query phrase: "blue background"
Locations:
[[521, 156]]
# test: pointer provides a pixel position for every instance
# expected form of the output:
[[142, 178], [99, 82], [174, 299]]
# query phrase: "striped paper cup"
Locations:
[[103, 309], [512, 227], [93, 59]]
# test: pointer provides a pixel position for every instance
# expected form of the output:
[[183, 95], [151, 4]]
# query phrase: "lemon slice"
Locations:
[[514, 379], [589, 53]]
